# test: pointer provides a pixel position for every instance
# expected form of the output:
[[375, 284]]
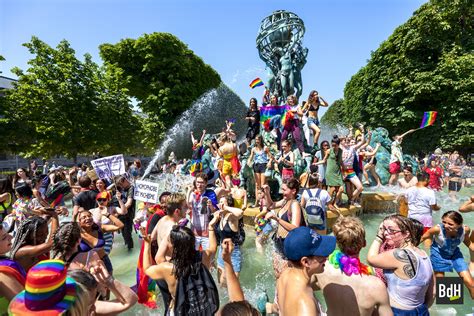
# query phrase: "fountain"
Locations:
[[208, 112], [280, 34]]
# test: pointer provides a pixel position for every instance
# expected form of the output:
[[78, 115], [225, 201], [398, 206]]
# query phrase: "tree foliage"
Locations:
[[334, 114], [163, 74], [64, 106], [425, 65]]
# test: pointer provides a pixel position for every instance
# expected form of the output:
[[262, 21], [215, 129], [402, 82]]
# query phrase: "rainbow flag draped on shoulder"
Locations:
[[270, 111]]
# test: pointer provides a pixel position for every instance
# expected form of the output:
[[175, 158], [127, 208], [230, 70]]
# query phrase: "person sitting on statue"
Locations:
[[311, 110], [198, 151], [266, 97], [253, 118], [292, 124]]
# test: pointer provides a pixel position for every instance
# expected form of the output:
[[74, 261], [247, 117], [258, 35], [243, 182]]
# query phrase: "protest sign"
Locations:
[[146, 191], [108, 167]]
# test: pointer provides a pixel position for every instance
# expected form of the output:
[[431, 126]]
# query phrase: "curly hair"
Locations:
[[26, 233], [350, 235], [184, 252], [65, 238]]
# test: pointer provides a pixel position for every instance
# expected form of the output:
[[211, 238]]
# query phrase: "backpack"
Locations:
[[196, 294], [57, 190], [315, 214]]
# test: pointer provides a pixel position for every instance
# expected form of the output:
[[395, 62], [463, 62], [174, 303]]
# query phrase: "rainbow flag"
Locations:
[[428, 118], [257, 82], [267, 112]]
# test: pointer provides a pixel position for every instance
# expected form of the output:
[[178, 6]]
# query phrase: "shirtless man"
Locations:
[[307, 251], [357, 294], [176, 208]]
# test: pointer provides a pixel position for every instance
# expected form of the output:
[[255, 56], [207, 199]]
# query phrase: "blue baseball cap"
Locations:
[[305, 242]]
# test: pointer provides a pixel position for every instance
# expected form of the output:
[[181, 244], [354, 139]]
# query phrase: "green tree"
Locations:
[[163, 74], [61, 105], [425, 65], [334, 114]]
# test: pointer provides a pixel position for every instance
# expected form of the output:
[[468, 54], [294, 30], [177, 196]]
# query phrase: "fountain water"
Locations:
[[208, 112]]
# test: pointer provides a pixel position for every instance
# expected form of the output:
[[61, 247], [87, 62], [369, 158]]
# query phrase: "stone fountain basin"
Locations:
[[372, 202]]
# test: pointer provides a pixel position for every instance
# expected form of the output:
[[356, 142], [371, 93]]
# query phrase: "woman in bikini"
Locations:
[[311, 108], [289, 216], [92, 235]]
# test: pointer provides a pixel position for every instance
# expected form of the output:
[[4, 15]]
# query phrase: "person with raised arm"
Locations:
[[96, 280], [237, 304], [311, 108], [198, 151], [396, 157], [185, 264], [407, 269]]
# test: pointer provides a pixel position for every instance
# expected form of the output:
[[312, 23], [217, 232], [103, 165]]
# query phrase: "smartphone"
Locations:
[[204, 205]]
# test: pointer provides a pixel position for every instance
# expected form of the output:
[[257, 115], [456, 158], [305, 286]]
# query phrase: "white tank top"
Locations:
[[410, 293]]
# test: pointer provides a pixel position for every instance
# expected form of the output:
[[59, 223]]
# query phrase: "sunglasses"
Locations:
[[101, 200]]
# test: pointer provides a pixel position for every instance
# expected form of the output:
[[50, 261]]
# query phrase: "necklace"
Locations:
[[349, 265]]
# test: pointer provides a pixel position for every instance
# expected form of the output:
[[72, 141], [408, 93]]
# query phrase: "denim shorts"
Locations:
[[442, 264], [312, 121], [236, 258]]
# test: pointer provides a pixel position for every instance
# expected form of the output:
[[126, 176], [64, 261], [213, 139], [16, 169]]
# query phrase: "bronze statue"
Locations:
[[279, 44]]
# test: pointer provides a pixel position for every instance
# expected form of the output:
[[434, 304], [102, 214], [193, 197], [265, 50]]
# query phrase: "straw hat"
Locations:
[[48, 291]]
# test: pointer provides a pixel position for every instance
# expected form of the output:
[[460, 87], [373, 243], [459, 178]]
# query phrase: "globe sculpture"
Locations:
[[279, 44]]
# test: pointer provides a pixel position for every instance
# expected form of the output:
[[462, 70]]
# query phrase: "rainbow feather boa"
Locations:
[[349, 265]]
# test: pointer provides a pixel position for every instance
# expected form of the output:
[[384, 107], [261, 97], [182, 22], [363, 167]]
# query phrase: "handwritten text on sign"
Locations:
[[108, 167], [146, 191]]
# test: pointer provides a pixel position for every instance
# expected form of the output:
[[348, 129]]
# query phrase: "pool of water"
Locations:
[[257, 271]]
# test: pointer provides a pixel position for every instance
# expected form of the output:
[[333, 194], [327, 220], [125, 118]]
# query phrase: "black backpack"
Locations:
[[57, 189], [196, 294]]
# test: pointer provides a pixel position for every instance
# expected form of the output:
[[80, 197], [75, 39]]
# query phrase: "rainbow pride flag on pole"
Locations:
[[428, 119], [257, 82]]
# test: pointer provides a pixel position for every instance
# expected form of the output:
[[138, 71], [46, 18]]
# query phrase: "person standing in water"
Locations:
[[349, 286], [396, 157], [421, 204], [445, 253], [307, 252]]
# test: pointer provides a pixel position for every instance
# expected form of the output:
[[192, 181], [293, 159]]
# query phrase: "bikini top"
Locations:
[[312, 108], [84, 246], [287, 219], [226, 231]]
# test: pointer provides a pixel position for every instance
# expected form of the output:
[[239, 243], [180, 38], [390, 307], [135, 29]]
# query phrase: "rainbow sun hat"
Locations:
[[48, 291]]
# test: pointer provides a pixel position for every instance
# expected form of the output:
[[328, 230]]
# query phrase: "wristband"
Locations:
[[110, 280]]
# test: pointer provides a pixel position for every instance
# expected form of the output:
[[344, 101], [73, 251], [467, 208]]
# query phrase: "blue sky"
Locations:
[[340, 34]]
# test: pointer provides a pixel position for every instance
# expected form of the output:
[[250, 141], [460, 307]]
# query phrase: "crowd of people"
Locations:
[[55, 259]]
